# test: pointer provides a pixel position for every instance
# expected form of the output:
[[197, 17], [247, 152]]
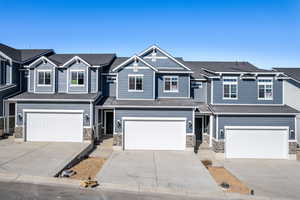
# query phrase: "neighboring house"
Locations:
[[291, 91], [59, 102], [11, 77], [154, 101], [159, 102]]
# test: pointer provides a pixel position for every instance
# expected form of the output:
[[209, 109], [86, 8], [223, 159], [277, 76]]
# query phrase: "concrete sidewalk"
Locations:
[[176, 172], [37, 158]]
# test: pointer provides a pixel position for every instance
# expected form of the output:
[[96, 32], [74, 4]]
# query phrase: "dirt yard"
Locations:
[[88, 167], [221, 175]]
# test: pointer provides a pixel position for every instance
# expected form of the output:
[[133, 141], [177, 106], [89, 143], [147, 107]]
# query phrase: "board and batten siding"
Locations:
[[109, 87], [20, 106], [199, 93], [123, 83], [247, 92], [257, 120], [61, 81], [183, 86], [46, 88], [181, 113]]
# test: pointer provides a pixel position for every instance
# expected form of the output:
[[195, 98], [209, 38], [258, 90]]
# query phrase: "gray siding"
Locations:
[[247, 92], [78, 89], [6, 93], [186, 113], [208, 85], [61, 81], [31, 80], [93, 80], [44, 89], [235, 120], [109, 89], [199, 93], [183, 86], [53, 106], [148, 84]]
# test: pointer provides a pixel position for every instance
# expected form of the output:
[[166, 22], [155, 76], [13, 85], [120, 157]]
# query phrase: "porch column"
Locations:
[[211, 129], [96, 123]]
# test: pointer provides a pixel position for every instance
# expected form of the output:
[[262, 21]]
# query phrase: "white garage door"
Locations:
[[256, 142], [54, 127], [154, 134]]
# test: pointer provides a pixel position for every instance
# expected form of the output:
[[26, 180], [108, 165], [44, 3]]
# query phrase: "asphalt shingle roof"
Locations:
[[291, 72], [26, 96], [22, 55], [92, 59], [251, 109], [176, 103]]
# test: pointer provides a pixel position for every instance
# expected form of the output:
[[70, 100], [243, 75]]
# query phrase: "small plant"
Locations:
[[225, 185]]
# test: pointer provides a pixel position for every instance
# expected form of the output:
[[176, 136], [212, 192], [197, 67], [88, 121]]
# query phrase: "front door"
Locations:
[[198, 129], [109, 120]]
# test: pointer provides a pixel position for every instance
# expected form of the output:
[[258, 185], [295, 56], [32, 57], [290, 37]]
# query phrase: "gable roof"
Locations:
[[155, 47], [294, 73], [91, 59], [129, 60], [23, 55]]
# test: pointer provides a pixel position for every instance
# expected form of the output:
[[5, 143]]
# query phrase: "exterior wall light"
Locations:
[[190, 124], [221, 133], [20, 116], [292, 135], [119, 124], [86, 116]]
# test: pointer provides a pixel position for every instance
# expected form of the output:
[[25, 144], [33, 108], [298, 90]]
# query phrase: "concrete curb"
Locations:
[[39, 180]]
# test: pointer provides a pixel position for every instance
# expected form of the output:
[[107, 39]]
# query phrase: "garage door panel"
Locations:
[[256, 143], [54, 127], [154, 135]]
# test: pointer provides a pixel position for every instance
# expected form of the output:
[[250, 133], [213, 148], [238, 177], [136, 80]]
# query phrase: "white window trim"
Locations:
[[136, 75], [44, 70], [265, 83], [171, 91], [77, 70], [232, 83]]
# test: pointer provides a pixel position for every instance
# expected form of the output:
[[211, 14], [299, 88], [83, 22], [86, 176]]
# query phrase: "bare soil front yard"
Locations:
[[88, 168], [223, 176]]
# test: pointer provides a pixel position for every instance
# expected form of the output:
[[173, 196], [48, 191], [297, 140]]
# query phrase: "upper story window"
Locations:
[[44, 77], [135, 83], [230, 88], [170, 83], [77, 77], [265, 89]]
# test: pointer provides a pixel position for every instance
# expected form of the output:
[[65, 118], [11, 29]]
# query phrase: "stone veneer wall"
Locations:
[[205, 138], [117, 140], [190, 141], [87, 133], [218, 147]]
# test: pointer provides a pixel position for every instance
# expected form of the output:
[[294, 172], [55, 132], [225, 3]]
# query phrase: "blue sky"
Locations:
[[265, 33]]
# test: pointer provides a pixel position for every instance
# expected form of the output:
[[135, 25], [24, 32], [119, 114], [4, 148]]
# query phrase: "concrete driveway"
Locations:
[[157, 171], [272, 178], [37, 158]]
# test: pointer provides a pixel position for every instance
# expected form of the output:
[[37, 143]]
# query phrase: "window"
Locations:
[[77, 78], [265, 89], [135, 83], [171, 84], [196, 84], [230, 88], [44, 78]]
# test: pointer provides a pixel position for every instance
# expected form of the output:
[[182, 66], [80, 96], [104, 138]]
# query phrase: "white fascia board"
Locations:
[[116, 106], [75, 58], [6, 57], [166, 54], [51, 111], [133, 58], [257, 127], [53, 100], [175, 72], [198, 79], [40, 59], [220, 113], [8, 87], [155, 118]]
